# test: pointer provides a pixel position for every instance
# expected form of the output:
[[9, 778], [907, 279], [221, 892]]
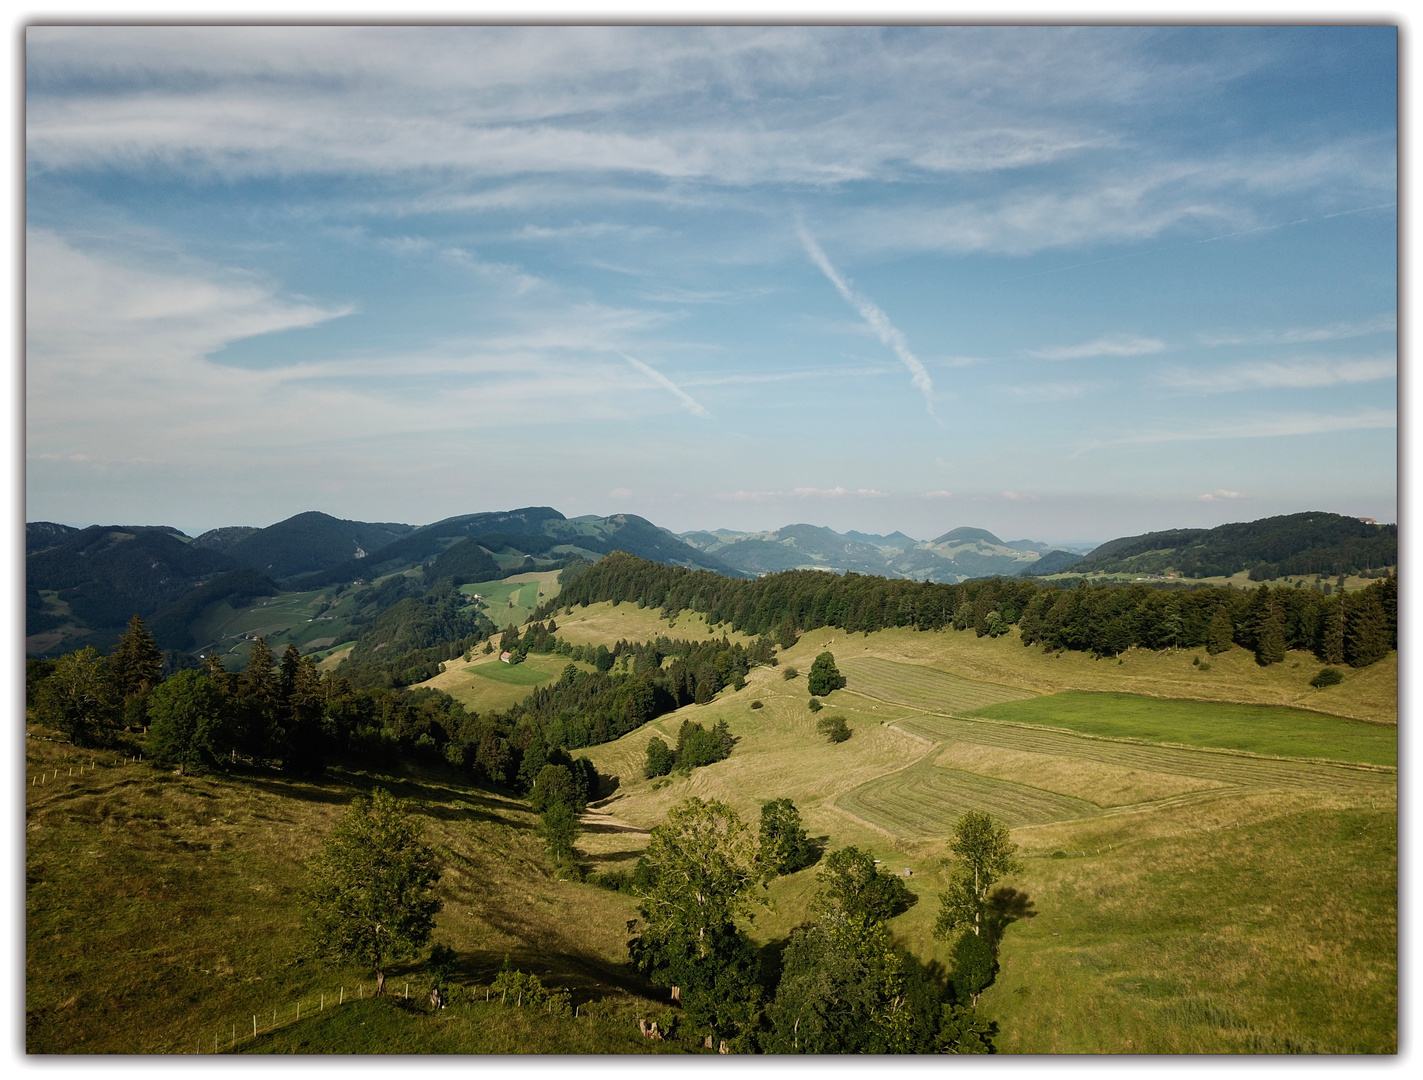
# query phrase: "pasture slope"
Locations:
[[1176, 896], [1210, 857]]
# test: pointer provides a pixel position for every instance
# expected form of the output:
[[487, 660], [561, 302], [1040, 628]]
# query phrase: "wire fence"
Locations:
[[237, 1034]]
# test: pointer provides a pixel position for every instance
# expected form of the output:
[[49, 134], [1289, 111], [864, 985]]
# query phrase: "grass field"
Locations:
[[1138, 945], [163, 911], [487, 684], [511, 601], [1252, 728], [606, 623], [1208, 872]]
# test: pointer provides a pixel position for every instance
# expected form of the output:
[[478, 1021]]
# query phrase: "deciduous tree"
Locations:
[[785, 846], [79, 698], [824, 676], [700, 871], [370, 898], [982, 854], [189, 721]]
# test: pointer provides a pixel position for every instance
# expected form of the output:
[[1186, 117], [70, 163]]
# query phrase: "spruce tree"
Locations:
[[136, 663], [1331, 644], [1366, 635], [1270, 640], [1221, 634]]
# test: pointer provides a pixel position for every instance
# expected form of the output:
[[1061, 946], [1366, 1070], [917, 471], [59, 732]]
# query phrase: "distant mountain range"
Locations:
[[956, 556], [82, 585]]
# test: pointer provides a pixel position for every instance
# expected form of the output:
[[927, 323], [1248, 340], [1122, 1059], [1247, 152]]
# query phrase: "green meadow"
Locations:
[[1255, 729]]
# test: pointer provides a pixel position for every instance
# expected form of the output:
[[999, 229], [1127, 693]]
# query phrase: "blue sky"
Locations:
[[1060, 283]]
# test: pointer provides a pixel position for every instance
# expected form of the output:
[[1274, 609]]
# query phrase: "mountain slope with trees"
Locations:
[[1309, 543]]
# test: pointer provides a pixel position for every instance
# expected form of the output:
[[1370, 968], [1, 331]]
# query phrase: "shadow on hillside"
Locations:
[[586, 977], [601, 827], [612, 857], [431, 798]]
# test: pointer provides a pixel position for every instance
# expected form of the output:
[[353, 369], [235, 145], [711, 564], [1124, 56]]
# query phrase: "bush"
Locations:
[[1329, 676], [833, 728], [790, 673], [757, 705], [815, 705]]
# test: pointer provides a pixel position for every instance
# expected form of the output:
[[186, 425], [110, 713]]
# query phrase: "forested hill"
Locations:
[[1309, 543], [1356, 628], [302, 544]]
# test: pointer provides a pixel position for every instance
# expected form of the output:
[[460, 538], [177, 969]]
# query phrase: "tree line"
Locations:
[[1357, 628]]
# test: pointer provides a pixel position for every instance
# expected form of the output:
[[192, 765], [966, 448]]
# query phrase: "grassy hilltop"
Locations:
[[1210, 856]]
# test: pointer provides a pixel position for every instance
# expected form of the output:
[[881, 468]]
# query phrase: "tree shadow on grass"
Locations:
[[1006, 906]]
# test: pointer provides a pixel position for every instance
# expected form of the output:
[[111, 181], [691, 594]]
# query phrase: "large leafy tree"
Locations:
[[824, 676], [189, 722], [370, 898], [841, 990], [79, 698], [785, 846], [702, 870], [854, 885], [982, 854], [845, 988]]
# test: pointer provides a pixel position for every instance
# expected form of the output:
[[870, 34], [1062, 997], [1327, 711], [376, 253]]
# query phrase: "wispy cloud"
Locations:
[[1220, 494], [1267, 427], [1110, 345], [1059, 391], [838, 493], [690, 403], [940, 494], [1286, 374], [878, 321], [1306, 335], [803, 493]]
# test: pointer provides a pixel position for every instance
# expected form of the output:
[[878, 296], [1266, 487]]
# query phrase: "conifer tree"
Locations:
[[1366, 634], [136, 662], [1270, 640], [1221, 634]]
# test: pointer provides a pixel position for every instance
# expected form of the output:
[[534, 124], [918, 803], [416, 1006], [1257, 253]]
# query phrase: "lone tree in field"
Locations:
[[370, 898], [785, 846], [982, 855], [824, 675]]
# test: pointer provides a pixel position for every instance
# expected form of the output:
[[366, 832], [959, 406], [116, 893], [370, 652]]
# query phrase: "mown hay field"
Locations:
[[1188, 862]]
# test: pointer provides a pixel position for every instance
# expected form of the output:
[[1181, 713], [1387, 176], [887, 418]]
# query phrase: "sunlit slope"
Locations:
[[1183, 898]]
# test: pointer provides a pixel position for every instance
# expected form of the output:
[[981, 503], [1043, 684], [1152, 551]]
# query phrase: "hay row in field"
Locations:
[[1230, 766], [923, 687]]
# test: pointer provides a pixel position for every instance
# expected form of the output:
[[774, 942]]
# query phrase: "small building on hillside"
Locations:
[[508, 658]]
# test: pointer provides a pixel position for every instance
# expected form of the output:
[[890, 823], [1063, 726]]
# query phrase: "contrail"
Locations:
[[693, 406], [879, 322]]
